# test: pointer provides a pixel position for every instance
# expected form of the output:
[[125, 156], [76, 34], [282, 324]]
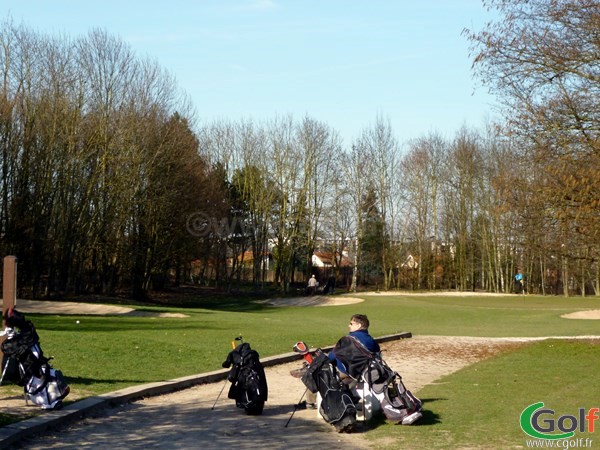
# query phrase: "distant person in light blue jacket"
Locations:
[[519, 281]]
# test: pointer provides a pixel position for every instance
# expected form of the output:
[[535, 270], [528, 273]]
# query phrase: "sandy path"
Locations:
[[185, 419]]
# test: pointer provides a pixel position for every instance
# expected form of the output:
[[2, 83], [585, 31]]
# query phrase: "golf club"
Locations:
[[4, 370], [239, 338]]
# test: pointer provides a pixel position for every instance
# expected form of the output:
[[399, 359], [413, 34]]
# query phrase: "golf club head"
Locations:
[[301, 347], [239, 338]]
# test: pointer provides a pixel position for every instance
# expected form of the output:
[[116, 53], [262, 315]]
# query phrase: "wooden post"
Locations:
[[9, 283], [9, 286]]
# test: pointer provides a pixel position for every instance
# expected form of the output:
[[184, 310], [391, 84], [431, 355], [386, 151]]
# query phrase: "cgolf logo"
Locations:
[[540, 423]]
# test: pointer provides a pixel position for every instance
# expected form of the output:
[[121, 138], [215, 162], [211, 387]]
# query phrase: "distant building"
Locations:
[[324, 259]]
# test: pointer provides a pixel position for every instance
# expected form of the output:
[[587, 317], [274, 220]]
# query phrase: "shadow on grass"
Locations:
[[429, 417], [242, 300]]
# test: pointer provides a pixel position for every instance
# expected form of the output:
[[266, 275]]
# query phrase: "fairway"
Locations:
[[110, 352]]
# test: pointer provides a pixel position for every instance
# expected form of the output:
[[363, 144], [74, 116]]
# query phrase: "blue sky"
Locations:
[[343, 62]]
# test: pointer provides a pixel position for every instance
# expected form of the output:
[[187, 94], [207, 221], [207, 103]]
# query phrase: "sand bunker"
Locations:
[[591, 314]]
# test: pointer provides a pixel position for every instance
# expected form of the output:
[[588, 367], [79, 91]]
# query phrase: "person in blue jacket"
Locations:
[[359, 330], [519, 281]]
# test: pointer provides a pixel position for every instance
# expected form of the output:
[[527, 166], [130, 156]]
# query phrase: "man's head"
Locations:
[[359, 322]]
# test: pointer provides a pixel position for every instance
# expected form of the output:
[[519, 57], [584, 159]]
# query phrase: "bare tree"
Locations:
[[98, 168], [460, 204], [541, 59], [339, 221], [357, 167], [255, 183], [422, 174], [301, 164], [379, 145], [320, 146]]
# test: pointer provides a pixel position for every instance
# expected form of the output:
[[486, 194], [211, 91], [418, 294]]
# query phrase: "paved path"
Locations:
[[186, 420]]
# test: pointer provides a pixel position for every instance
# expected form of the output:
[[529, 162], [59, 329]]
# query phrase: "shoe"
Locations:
[[311, 405], [301, 405]]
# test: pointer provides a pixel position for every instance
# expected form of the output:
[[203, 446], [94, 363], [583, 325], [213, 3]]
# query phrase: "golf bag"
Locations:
[[337, 406], [25, 364], [248, 381], [398, 404]]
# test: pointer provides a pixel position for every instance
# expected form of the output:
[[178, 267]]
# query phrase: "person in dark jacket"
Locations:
[[359, 330]]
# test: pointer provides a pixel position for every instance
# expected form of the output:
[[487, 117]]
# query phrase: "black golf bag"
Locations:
[[25, 364], [337, 406], [248, 381], [398, 404]]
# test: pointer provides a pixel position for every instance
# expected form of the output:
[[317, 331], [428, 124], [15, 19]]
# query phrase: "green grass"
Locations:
[[480, 406], [477, 406]]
